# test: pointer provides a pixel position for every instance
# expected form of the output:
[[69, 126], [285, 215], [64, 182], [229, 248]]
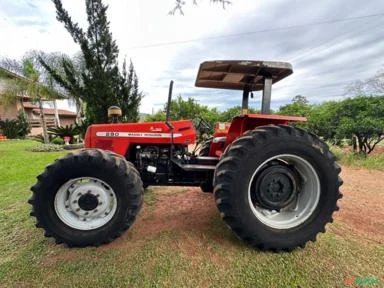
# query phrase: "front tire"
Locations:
[[87, 199], [277, 187]]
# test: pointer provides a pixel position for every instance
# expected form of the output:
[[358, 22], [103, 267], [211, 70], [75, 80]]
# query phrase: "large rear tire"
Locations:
[[87, 199], [277, 187]]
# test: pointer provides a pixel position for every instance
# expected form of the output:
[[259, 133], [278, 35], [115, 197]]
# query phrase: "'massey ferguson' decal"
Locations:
[[137, 134]]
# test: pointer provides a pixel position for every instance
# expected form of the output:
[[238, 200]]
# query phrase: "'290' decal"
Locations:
[[137, 134]]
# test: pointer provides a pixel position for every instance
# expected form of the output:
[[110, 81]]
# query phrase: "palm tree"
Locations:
[[27, 82], [56, 67]]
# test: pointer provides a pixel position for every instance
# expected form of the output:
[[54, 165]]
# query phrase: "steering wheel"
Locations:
[[203, 126]]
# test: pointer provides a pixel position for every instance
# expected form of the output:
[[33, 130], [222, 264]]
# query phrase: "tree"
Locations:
[[371, 86], [100, 83], [322, 121], [186, 109], [376, 83], [54, 60], [60, 64], [130, 98], [179, 4], [299, 107], [228, 115], [28, 81], [191, 109], [360, 118]]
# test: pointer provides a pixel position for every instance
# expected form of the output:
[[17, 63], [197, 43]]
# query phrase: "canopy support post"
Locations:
[[266, 100], [244, 105]]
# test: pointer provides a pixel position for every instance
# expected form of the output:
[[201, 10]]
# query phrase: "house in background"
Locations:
[[32, 112], [54, 117]]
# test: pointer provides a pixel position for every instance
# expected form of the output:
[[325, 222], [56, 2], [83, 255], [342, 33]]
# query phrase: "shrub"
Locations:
[[82, 128], [9, 128], [47, 148], [69, 130], [15, 128], [57, 141], [25, 129]]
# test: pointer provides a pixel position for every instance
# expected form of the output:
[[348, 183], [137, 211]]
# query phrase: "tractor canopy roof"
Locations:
[[237, 75]]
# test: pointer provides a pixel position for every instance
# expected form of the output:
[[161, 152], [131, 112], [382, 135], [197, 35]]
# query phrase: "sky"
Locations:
[[330, 43]]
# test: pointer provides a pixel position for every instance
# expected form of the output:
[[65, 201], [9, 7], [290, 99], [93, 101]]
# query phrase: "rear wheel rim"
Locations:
[[85, 203], [305, 201]]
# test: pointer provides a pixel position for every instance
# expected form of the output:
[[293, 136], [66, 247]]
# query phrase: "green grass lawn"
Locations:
[[359, 161], [211, 258]]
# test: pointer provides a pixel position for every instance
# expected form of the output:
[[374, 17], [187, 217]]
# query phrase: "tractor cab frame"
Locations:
[[246, 76]]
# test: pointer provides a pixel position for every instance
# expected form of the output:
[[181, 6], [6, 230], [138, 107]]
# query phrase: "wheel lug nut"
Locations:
[[86, 213], [100, 203], [97, 195], [75, 201], [89, 191], [78, 209], [94, 211], [79, 194]]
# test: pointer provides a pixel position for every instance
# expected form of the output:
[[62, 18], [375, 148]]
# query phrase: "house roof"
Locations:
[[48, 111], [62, 112], [9, 74], [5, 73]]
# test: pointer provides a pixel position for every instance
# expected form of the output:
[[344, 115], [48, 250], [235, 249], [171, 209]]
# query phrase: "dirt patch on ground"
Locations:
[[189, 210], [362, 205], [180, 209]]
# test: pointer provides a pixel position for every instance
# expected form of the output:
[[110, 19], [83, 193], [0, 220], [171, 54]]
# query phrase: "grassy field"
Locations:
[[211, 257], [359, 161]]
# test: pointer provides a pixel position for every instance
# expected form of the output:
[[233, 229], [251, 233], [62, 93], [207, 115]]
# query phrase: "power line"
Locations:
[[258, 31], [323, 44]]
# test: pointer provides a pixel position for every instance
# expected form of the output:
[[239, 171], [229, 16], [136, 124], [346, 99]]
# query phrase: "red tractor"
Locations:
[[276, 186]]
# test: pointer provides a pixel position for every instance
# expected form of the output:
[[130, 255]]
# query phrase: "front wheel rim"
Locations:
[[85, 203], [302, 207]]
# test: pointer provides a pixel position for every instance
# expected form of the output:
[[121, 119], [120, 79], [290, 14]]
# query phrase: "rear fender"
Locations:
[[241, 124]]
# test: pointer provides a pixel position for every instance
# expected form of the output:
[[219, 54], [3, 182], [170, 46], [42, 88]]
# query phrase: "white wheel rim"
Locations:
[[71, 196], [302, 207]]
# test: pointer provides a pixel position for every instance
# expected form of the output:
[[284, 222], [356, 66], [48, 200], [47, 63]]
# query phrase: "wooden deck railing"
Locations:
[[34, 123]]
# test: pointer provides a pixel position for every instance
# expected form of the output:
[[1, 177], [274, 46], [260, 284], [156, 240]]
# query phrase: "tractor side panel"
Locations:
[[117, 137], [219, 136]]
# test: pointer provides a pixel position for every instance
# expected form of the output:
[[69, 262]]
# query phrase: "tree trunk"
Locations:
[[79, 105], [360, 143], [43, 123], [354, 143], [57, 118]]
